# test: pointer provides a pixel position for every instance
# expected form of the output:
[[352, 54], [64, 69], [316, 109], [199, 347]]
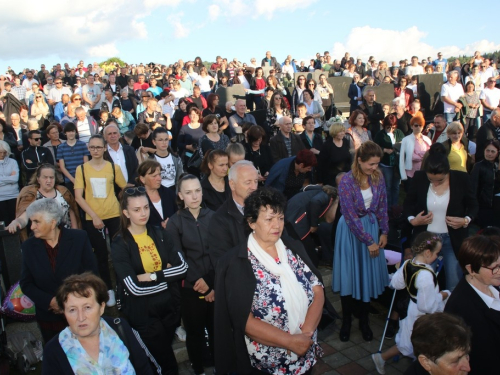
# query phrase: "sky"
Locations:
[[163, 31]]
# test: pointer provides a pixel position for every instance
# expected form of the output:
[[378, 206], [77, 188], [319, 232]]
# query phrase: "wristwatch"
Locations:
[[153, 276], [466, 221]]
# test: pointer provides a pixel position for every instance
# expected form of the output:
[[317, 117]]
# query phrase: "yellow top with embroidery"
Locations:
[[149, 254]]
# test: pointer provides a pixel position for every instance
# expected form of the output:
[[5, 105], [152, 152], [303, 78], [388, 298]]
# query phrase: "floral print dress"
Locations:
[[268, 305]]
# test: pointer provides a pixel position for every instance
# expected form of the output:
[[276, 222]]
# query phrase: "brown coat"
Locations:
[[28, 196]]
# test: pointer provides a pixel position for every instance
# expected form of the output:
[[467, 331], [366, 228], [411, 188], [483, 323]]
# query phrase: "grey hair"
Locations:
[[453, 72], [5, 146], [33, 122], [123, 91], [49, 208], [233, 171], [399, 102]]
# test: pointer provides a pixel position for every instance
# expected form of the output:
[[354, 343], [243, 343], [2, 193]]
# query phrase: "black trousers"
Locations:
[[197, 314], [98, 241], [158, 337], [8, 211]]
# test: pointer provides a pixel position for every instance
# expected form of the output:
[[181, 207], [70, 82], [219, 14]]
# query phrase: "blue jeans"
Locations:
[[450, 117], [486, 115], [453, 271], [392, 182]]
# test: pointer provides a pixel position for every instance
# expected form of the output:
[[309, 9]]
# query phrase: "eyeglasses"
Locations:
[[58, 83], [96, 148], [494, 270], [301, 79], [133, 190]]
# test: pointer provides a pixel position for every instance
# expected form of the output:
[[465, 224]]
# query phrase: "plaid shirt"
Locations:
[[19, 92]]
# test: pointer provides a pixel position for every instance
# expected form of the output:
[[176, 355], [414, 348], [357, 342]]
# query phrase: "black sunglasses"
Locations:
[[134, 190]]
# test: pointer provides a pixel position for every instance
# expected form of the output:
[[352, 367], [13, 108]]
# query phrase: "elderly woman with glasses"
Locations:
[[52, 254], [148, 269], [95, 193], [476, 299]]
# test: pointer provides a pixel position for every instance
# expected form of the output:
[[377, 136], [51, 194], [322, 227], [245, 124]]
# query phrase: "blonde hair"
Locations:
[[336, 129], [366, 151], [454, 127]]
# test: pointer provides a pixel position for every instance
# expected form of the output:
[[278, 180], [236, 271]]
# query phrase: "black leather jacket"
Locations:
[[485, 178]]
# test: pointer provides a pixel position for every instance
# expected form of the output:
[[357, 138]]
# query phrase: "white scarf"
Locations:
[[296, 301]]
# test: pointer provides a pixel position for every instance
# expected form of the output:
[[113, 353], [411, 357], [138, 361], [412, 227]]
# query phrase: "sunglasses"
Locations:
[[77, 99], [134, 190], [38, 97], [36, 139], [58, 83]]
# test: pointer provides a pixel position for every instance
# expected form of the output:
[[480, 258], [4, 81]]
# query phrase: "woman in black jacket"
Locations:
[[441, 201], [485, 179], [188, 229], [161, 199], [148, 268], [215, 185], [258, 151]]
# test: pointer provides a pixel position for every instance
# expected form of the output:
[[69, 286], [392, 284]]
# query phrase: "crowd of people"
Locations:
[[218, 223]]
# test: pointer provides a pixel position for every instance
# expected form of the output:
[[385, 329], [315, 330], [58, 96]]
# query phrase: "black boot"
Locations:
[[345, 330], [364, 326]]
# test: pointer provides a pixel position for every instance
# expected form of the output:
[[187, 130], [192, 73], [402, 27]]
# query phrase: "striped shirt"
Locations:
[[72, 156]]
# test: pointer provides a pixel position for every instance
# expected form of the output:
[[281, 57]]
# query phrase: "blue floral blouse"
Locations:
[[268, 305]]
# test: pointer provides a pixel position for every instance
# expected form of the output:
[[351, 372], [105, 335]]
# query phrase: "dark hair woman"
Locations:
[[485, 179], [161, 199], [101, 343], [188, 229], [215, 184], [148, 269], [476, 299], [441, 201], [258, 152], [360, 270], [447, 352], [263, 323], [214, 109]]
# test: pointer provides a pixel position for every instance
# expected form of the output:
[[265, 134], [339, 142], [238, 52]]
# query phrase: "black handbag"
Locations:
[[195, 160]]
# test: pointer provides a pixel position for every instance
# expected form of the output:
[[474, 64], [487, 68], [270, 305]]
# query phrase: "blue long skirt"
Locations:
[[354, 272]]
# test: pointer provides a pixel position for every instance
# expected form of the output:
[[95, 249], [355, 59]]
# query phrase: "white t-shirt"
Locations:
[[92, 93], [491, 97], [453, 93], [204, 83], [168, 171], [83, 130], [367, 197], [414, 70], [438, 205], [181, 93], [56, 94]]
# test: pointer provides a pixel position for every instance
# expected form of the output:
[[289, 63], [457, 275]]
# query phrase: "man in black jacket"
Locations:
[[285, 144], [119, 154], [227, 228], [490, 130], [150, 115], [373, 110], [35, 154]]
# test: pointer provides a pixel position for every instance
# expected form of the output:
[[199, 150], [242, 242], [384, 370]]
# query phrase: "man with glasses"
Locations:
[[49, 85], [441, 61], [490, 98], [95, 193], [91, 94], [55, 94], [35, 154]]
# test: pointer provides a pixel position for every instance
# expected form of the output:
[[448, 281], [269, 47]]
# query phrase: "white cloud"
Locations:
[[103, 50], [71, 32], [213, 12], [268, 7], [393, 45], [181, 29]]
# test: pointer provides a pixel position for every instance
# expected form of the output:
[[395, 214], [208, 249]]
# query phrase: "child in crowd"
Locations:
[[418, 277]]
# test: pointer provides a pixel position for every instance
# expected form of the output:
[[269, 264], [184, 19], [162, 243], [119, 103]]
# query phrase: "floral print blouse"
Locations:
[[268, 305]]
